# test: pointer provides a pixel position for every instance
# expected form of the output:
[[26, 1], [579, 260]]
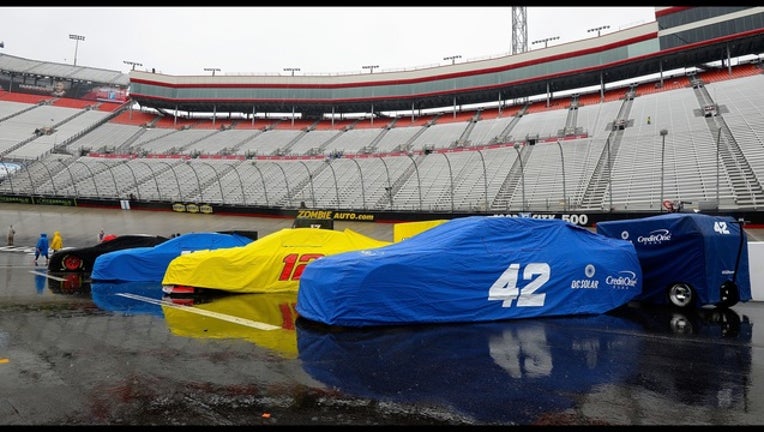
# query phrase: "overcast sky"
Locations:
[[317, 40]]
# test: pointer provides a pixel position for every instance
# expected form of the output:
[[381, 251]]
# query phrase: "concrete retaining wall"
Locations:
[[756, 265]]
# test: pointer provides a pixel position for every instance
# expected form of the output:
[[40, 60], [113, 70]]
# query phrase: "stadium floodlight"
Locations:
[[213, 70], [452, 58], [77, 39], [291, 69], [545, 41], [598, 29], [370, 68], [132, 63]]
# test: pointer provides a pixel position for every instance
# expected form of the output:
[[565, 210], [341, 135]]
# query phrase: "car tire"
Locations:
[[729, 295], [681, 295]]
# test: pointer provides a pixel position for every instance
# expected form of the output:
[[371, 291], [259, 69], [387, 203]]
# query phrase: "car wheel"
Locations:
[[71, 263], [681, 295], [729, 295]]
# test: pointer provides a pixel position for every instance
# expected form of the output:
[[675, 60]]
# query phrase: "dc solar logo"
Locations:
[[625, 235], [589, 270]]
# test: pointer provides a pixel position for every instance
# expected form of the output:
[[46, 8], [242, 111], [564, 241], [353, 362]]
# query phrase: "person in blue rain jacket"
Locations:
[[41, 248]]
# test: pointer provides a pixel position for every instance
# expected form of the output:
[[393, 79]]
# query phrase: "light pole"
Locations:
[[564, 193], [451, 177], [241, 185], [262, 180], [286, 180], [522, 170], [334, 175], [418, 179], [663, 133], [370, 68], [310, 177], [198, 181], [363, 187], [132, 63], [291, 69], [609, 174], [452, 58], [545, 41], [598, 29], [77, 39], [718, 143], [213, 70], [485, 181], [389, 187]]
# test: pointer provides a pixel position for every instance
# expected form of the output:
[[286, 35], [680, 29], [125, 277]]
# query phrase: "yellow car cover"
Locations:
[[272, 263], [404, 230]]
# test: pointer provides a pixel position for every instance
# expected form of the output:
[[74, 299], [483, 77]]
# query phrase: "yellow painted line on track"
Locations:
[[230, 318]]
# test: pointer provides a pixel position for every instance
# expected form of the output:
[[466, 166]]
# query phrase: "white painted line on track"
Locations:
[[223, 317], [40, 273]]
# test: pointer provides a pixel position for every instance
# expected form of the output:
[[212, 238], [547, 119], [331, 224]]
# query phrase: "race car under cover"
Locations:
[[149, 263], [473, 269], [273, 263], [82, 259]]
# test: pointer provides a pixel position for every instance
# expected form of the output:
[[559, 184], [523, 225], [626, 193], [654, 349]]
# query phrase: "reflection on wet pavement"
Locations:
[[531, 371]]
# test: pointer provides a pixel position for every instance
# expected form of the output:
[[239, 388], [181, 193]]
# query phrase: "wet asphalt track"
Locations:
[[127, 355]]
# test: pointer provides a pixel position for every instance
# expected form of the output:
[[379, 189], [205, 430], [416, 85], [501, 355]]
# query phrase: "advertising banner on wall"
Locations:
[[54, 87]]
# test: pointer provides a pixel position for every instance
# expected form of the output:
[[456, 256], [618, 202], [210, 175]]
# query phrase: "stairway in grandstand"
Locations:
[[600, 181], [746, 186]]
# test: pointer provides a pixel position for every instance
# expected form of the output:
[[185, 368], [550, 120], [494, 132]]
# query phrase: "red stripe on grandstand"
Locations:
[[563, 56], [408, 97], [671, 10]]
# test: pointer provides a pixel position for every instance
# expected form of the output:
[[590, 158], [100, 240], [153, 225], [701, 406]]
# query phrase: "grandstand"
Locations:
[[581, 151]]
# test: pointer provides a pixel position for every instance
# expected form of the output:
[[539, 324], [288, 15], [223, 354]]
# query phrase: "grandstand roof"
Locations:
[[17, 65]]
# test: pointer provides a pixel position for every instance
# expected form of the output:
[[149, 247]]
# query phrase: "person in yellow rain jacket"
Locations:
[[56, 242]]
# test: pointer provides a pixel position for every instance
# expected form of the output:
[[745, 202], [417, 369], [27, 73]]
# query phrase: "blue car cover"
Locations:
[[150, 263], [473, 269], [695, 248]]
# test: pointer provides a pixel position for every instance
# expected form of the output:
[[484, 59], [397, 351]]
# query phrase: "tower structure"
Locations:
[[519, 30]]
